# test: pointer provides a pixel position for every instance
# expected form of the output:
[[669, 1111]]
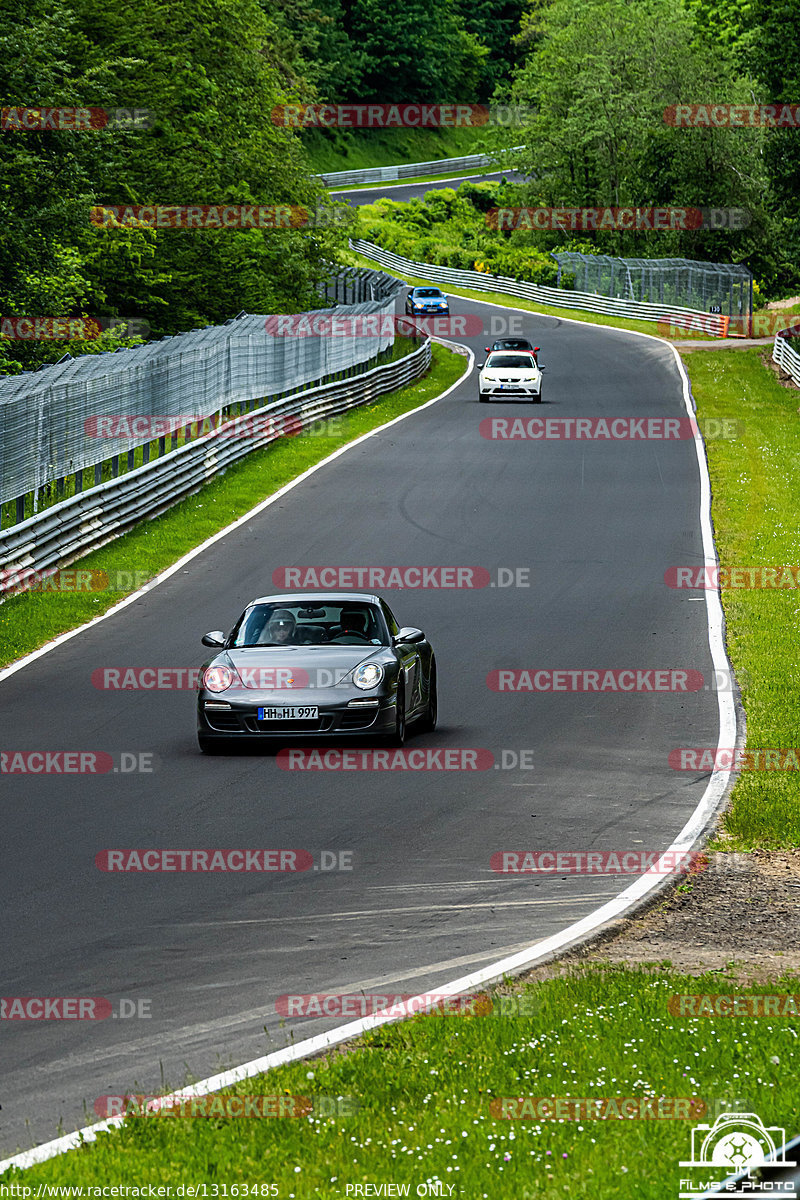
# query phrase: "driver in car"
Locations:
[[280, 627]]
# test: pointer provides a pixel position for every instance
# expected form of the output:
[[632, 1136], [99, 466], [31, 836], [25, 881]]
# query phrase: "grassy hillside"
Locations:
[[355, 149]]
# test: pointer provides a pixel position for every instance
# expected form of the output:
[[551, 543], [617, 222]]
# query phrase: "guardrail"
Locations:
[[685, 318], [408, 170], [358, 285], [786, 358], [87, 521], [48, 439]]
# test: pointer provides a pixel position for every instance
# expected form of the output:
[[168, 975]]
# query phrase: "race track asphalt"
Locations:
[[415, 191], [596, 524]]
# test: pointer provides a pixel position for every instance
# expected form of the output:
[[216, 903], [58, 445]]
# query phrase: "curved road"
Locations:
[[411, 191], [595, 523]]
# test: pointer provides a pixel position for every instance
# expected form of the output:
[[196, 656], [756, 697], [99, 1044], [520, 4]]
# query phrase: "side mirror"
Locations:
[[536, 349], [542, 367], [481, 366], [215, 640], [409, 634]]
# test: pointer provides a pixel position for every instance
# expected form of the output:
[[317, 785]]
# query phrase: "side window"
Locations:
[[394, 628]]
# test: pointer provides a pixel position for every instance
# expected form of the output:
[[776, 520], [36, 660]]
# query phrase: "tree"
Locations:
[[600, 78]]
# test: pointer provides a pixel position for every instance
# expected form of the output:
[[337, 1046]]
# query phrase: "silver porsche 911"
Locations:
[[315, 666]]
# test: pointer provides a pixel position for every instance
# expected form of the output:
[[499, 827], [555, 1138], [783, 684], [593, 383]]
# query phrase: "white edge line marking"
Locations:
[[524, 959], [12, 668]]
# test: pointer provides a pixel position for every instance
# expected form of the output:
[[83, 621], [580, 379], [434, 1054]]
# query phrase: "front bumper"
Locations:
[[414, 311], [526, 391], [339, 717]]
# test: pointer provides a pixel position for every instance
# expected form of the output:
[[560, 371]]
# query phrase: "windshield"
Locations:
[[515, 361], [300, 623], [512, 344], [429, 293]]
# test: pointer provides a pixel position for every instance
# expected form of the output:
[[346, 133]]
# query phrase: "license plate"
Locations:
[[507, 387], [297, 713]]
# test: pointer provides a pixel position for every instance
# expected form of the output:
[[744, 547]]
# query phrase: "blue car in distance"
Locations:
[[427, 301]]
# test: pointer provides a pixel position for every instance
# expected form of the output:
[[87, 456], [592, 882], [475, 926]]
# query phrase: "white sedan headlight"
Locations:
[[367, 676], [490, 378]]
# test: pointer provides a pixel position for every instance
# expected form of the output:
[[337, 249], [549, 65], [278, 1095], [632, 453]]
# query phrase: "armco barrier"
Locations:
[[408, 170], [786, 358], [687, 318], [44, 413], [87, 521]]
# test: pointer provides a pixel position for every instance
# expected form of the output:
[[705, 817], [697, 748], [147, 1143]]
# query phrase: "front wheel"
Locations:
[[483, 399], [398, 737], [431, 715]]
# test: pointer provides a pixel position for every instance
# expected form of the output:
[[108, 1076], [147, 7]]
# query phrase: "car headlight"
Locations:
[[530, 379], [217, 679], [367, 676], [490, 379]]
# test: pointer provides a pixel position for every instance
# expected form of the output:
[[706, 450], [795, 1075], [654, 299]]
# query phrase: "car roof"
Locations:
[[316, 598], [426, 287], [515, 353]]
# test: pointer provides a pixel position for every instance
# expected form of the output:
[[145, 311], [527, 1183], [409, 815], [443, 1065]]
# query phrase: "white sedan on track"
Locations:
[[510, 373]]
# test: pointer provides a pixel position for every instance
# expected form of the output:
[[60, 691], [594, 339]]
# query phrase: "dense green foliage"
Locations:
[[597, 77], [451, 228], [206, 74], [597, 74]]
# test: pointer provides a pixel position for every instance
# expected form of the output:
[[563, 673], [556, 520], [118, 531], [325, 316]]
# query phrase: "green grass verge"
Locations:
[[755, 481], [424, 1089], [358, 149], [33, 618]]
